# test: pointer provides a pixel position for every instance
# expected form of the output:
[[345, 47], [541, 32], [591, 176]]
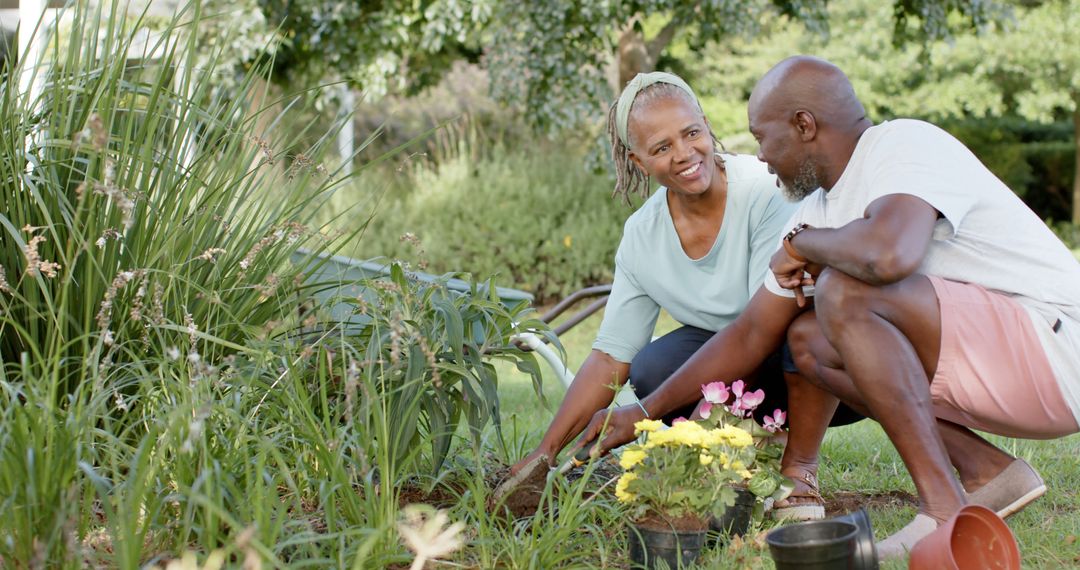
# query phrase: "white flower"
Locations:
[[188, 561], [426, 534]]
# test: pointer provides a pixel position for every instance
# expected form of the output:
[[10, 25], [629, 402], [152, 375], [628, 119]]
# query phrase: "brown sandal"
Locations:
[[801, 505]]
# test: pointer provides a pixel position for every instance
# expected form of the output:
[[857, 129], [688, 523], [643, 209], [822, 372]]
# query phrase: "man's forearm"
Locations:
[[846, 249], [884, 247]]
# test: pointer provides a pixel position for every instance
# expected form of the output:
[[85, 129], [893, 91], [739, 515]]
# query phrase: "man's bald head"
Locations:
[[807, 121], [811, 84]]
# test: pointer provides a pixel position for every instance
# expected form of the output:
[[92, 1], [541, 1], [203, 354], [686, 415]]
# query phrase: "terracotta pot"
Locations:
[[736, 519], [815, 545], [974, 538], [865, 551], [677, 548]]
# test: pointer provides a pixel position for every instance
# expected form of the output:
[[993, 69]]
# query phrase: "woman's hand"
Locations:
[[616, 426], [531, 457]]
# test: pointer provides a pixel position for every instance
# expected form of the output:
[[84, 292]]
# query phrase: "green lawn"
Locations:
[[857, 458]]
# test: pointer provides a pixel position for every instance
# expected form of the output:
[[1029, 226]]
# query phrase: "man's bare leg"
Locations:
[[810, 410], [976, 460], [887, 339]]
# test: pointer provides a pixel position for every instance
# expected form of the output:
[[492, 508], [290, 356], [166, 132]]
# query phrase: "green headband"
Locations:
[[639, 82]]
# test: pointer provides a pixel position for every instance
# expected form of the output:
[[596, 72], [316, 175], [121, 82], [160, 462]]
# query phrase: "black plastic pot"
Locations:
[[678, 549], [816, 545], [865, 552], [736, 519]]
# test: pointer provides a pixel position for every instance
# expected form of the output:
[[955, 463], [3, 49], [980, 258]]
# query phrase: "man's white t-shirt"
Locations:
[[986, 234]]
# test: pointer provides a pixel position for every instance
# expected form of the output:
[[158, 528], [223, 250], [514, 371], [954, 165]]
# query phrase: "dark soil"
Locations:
[[521, 493], [522, 497], [447, 492], [844, 502], [444, 495]]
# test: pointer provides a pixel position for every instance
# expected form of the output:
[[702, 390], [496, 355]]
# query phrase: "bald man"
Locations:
[[942, 302], [926, 267]]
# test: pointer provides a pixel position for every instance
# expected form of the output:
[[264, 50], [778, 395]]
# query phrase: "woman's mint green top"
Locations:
[[653, 271]]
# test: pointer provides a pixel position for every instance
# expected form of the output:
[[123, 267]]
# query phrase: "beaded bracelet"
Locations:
[[790, 249]]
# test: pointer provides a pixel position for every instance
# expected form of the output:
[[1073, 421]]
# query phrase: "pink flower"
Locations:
[[751, 400], [745, 402], [737, 388], [678, 421], [715, 392], [775, 422], [705, 410]]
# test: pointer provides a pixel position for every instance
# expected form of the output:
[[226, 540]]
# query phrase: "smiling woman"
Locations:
[[698, 247]]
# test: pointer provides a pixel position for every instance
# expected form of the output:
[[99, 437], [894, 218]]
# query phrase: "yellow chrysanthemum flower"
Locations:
[[705, 458], [684, 433], [744, 474], [632, 457], [620, 487], [737, 437], [647, 426]]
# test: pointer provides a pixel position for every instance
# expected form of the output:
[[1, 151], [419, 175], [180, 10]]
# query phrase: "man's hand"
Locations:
[[530, 457], [814, 269], [617, 426], [790, 274]]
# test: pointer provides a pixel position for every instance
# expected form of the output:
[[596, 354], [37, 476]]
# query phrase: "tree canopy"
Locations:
[[554, 58], [1021, 69]]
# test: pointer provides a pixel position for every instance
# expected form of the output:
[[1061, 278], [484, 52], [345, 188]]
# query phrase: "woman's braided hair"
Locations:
[[629, 179]]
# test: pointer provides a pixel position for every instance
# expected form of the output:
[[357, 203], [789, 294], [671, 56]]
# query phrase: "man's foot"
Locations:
[[899, 544], [804, 503], [1017, 486]]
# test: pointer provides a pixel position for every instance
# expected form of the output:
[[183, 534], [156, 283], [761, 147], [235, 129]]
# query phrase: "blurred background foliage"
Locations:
[[510, 188], [501, 110]]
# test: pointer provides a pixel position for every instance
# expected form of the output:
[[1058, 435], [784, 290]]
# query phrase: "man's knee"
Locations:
[[800, 337]]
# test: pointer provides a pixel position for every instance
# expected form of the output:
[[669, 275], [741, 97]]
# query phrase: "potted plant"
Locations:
[[733, 407], [675, 481]]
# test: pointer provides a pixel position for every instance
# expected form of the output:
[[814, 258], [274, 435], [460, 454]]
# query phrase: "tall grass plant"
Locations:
[[169, 385]]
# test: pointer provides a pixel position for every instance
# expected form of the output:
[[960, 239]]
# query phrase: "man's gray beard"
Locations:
[[805, 183]]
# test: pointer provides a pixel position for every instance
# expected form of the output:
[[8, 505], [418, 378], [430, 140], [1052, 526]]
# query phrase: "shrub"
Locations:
[[533, 217], [425, 350], [1068, 233], [1035, 160]]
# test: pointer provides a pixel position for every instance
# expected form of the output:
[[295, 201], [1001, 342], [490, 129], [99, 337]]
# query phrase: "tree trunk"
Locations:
[[1076, 155], [634, 55]]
